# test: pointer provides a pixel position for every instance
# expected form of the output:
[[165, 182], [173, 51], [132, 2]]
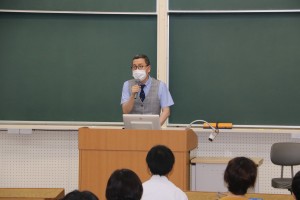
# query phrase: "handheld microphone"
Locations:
[[137, 82], [135, 95]]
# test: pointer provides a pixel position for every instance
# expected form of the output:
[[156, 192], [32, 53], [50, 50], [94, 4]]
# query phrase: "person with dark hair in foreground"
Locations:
[[296, 186], [240, 174], [160, 161], [124, 184], [78, 195]]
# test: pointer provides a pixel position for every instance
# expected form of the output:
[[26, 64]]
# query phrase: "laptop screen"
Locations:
[[142, 122]]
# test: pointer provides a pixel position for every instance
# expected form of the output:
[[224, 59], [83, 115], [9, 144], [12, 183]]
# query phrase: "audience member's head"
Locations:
[[160, 160], [77, 195], [124, 184], [240, 174], [296, 186]]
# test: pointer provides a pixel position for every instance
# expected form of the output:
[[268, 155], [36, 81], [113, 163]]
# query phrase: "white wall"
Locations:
[[249, 144], [49, 159], [44, 159]]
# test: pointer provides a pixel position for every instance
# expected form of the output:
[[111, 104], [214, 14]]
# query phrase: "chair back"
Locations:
[[285, 153]]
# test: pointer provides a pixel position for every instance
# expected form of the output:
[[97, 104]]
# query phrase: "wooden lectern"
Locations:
[[102, 151]]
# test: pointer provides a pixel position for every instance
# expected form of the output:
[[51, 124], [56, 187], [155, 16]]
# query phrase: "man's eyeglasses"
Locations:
[[138, 67]]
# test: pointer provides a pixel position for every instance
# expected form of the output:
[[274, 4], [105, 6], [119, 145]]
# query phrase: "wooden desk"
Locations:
[[208, 172], [216, 196], [31, 193], [221, 160]]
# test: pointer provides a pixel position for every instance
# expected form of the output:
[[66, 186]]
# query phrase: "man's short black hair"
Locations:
[[296, 186], [124, 184], [80, 195], [147, 61], [160, 160], [240, 174]]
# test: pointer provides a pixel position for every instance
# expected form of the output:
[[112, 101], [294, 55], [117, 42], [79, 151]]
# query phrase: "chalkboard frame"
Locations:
[[210, 111], [126, 6], [117, 58]]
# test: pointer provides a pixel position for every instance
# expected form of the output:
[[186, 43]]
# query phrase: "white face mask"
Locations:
[[139, 74]]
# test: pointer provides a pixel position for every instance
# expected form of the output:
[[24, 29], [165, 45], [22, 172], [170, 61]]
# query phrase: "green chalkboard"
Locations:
[[59, 67], [81, 5], [234, 5], [240, 68]]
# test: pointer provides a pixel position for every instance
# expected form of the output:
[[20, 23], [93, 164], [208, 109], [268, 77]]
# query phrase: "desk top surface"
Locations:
[[221, 160], [218, 195], [49, 193]]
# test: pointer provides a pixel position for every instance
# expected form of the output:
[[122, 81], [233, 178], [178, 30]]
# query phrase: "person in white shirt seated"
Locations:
[[160, 160]]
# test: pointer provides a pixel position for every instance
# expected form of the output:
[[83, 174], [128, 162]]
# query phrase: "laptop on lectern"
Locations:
[[141, 122]]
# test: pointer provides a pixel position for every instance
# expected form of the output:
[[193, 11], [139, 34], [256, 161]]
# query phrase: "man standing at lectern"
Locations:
[[144, 94]]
